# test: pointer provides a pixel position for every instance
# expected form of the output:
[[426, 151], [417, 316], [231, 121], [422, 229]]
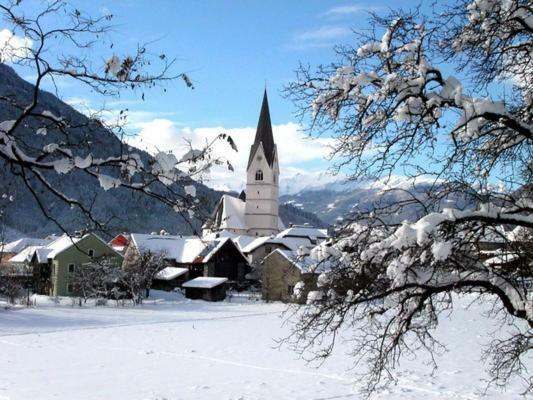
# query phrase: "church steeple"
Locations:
[[262, 177], [264, 134]]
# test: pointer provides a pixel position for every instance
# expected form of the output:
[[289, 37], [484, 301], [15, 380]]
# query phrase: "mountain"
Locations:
[[334, 201], [123, 209]]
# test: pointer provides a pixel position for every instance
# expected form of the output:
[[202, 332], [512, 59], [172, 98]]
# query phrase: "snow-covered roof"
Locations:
[[257, 242], [24, 256], [182, 249], [61, 244], [494, 234], [304, 231], [243, 240], [502, 259], [232, 213], [306, 264], [204, 282], [169, 273], [18, 245], [45, 252]]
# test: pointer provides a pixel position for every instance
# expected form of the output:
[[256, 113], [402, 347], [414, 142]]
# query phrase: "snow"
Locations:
[[108, 182], [190, 190], [304, 232], [18, 245], [183, 249], [305, 263], [24, 256], [169, 273], [59, 245], [182, 349], [233, 210], [204, 282], [113, 65], [258, 242], [63, 165]]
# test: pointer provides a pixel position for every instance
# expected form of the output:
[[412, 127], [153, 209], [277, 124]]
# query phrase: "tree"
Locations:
[[139, 272], [57, 41], [393, 107], [99, 279], [11, 285]]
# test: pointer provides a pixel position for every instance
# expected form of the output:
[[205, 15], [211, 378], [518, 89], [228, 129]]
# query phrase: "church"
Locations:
[[255, 212]]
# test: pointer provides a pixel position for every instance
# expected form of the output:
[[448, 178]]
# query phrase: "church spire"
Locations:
[[264, 134]]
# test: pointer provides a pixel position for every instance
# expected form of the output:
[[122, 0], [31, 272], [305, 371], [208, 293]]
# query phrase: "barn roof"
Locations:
[[169, 273], [203, 282]]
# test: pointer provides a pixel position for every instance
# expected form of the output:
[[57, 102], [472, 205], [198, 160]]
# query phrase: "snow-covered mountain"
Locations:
[[335, 200], [123, 209]]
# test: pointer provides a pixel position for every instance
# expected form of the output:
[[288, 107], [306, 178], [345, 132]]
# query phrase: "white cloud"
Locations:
[[320, 37], [13, 47], [111, 111], [351, 9], [295, 150]]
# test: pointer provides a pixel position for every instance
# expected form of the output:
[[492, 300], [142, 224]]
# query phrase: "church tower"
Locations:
[[262, 179]]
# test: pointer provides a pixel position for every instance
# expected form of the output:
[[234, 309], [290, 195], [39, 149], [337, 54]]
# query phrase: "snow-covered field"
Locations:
[[180, 349]]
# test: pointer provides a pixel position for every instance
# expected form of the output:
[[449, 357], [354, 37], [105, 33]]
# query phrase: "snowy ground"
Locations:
[[197, 350]]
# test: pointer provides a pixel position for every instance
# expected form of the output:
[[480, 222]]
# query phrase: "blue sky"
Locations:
[[230, 49]]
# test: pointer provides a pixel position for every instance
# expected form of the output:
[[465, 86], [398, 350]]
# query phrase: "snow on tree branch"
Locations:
[[447, 97]]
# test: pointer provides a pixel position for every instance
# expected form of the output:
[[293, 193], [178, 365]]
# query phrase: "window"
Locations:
[[258, 175], [90, 252], [70, 288], [71, 268], [290, 290]]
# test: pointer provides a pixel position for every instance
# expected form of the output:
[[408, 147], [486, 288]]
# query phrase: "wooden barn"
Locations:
[[206, 288], [202, 258]]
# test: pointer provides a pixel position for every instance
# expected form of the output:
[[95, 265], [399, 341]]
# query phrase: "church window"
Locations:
[[259, 175]]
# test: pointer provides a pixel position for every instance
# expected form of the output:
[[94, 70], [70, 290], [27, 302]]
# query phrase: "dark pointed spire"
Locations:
[[264, 134]]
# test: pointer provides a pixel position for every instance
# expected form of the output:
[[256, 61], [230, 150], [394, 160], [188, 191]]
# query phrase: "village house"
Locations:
[[208, 258], [289, 276], [11, 249], [54, 264]]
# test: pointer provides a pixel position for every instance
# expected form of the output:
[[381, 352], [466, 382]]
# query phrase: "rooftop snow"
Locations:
[[305, 264], [304, 231], [265, 240], [204, 282], [183, 249], [169, 273], [17, 246], [25, 255]]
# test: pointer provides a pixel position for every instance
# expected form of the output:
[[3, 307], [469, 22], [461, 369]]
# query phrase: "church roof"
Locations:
[[264, 134]]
